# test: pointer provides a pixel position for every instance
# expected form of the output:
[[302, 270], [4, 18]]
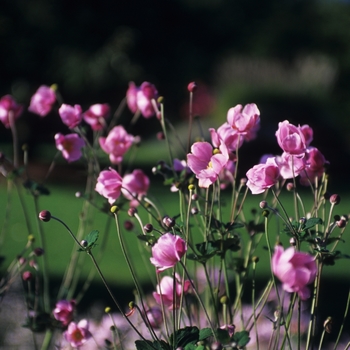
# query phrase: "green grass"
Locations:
[[63, 204]]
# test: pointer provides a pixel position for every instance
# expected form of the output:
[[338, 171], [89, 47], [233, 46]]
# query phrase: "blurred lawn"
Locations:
[[63, 204]]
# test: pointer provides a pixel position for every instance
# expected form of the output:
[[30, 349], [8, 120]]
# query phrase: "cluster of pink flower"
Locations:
[[76, 333], [298, 158], [110, 184], [209, 163]]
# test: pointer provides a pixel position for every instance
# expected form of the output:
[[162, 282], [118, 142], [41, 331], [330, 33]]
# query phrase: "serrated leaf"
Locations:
[[205, 333], [223, 336], [241, 338], [91, 238], [184, 336], [312, 222]]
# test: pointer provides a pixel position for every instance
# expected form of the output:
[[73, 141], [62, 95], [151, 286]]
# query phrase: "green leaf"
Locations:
[[151, 240], [184, 336], [205, 333], [241, 338], [312, 222], [91, 239], [148, 345], [233, 226], [223, 336], [35, 188]]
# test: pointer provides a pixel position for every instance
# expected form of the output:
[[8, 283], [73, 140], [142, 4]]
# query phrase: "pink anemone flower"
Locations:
[[70, 145], [8, 105], [42, 101], [168, 250], [70, 115], [109, 185], [207, 163], [78, 334]]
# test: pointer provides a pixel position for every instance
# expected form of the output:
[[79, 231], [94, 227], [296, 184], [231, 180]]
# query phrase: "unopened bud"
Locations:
[[132, 211], [327, 325], [243, 181], [27, 276], [84, 243], [114, 209], [168, 221], [265, 213], [45, 215], [192, 86], [290, 186], [148, 228], [191, 187], [160, 136], [263, 204], [224, 299], [194, 210], [38, 251], [293, 242], [334, 199], [107, 310], [341, 223], [195, 197], [128, 225]]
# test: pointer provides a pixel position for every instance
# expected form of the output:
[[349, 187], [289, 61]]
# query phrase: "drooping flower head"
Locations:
[[165, 291], [42, 101], [291, 138], [64, 311], [116, 144], [78, 334], [109, 185], [263, 176], [206, 162], [314, 164], [144, 97], [168, 250], [140, 98], [135, 185], [71, 115], [96, 115], [246, 121], [70, 145], [294, 269], [9, 107]]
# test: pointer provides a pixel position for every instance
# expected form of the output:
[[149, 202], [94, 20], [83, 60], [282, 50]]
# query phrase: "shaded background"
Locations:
[[290, 57]]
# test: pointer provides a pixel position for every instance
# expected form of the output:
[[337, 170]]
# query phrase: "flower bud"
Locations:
[[21, 260], [265, 213], [31, 238], [341, 223], [128, 225], [290, 186], [224, 299], [45, 215], [191, 187], [263, 204], [78, 194], [336, 217], [168, 221], [160, 136], [27, 275], [334, 199], [148, 228], [293, 242], [38, 251], [192, 86], [243, 181], [195, 197], [114, 209], [194, 210], [107, 310], [84, 243], [132, 211], [255, 259], [216, 346]]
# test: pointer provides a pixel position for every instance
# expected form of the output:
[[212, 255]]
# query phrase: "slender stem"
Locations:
[[343, 322]]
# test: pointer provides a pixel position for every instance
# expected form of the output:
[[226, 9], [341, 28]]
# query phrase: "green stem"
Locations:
[[343, 322]]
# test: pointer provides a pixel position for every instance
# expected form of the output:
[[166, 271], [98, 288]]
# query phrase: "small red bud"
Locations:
[[132, 211], [128, 225], [194, 210], [290, 186], [148, 228], [192, 86], [263, 204], [334, 199], [168, 221], [38, 251], [27, 275]]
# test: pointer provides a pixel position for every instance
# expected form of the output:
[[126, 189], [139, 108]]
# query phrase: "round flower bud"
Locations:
[[168, 221], [31, 238], [160, 136], [107, 310], [27, 275], [148, 228], [22, 260], [194, 210], [224, 299], [114, 209], [341, 223], [263, 204], [293, 242], [290, 186], [192, 86], [334, 199], [45, 215], [78, 194], [265, 213], [336, 217], [38, 251], [243, 181], [195, 197], [302, 221], [132, 211], [128, 225], [33, 264], [255, 259], [84, 243], [191, 187]]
